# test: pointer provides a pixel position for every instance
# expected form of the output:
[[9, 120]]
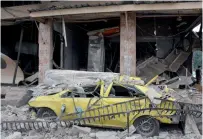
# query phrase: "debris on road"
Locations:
[[55, 130], [15, 135], [13, 113], [124, 134]]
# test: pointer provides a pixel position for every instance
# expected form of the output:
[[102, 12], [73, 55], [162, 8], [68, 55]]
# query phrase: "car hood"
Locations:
[[153, 92]]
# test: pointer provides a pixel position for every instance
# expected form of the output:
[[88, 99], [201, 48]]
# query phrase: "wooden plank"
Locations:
[[120, 8], [18, 12]]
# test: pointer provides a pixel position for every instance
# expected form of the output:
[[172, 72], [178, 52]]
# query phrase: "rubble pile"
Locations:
[[54, 85], [12, 113], [76, 132]]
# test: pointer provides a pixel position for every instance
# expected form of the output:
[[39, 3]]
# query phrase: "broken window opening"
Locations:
[[29, 61], [3, 96], [119, 91], [78, 51], [66, 95]]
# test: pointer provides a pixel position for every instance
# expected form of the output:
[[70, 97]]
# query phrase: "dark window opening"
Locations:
[[29, 61], [3, 96]]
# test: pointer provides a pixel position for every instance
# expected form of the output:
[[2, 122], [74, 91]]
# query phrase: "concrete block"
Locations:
[[135, 136], [124, 134], [15, 135]]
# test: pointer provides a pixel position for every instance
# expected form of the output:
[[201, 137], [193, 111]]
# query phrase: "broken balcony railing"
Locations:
[[166, 108]]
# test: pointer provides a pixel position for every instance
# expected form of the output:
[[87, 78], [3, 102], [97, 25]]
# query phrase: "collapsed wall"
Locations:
[[154, 66], [58, 80]]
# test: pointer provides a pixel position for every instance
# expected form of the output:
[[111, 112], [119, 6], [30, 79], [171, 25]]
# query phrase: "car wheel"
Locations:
[[147, 126], [46, 113]]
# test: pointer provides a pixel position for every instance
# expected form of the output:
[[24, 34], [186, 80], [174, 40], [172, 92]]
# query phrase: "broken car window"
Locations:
[[92, 91], [119, 91], [135, 92], [65, 95]]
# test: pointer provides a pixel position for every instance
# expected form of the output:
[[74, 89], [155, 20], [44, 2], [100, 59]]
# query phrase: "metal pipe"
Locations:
[[128, 122], [64, 32], [61, 53], [18, 57]]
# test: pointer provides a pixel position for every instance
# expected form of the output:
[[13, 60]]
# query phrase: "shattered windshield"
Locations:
[[135, 92]]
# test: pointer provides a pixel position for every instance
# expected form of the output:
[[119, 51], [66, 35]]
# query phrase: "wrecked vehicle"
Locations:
[[114, 104]]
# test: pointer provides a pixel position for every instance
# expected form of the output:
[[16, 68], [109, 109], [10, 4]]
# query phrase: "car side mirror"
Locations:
[[63, 108]]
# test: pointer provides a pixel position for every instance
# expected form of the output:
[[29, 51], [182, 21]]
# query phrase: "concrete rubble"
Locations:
[[57, 80], [13, 113], [124, 134], [10, 95], [78, 132]]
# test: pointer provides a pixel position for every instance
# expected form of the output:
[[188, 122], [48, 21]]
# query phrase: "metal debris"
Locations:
[[90, 114]]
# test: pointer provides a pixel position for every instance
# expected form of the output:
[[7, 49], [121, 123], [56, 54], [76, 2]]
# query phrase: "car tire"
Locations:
[[147, 126], [46, 113]]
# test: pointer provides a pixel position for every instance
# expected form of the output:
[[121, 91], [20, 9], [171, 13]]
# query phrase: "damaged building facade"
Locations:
[[134, 38]]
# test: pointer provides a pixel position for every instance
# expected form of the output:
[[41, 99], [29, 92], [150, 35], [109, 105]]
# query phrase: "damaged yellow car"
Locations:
[[113, 99]]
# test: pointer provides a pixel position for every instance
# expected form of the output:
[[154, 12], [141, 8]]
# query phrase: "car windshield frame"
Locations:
[[135, 89], [128, 87]]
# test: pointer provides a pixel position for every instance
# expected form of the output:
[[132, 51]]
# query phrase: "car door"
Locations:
[[68, 101], [111, 98], [118, 95], [80, 102]]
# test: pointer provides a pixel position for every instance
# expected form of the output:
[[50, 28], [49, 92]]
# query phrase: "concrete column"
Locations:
[[128, 43], [45, 41]]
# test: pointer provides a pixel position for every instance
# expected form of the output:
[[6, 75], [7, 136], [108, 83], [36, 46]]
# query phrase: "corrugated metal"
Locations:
[[81, 4], [78, 4]]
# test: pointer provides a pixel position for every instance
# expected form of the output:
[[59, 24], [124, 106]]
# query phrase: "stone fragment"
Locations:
[[124, 134], [135, 136], [73, 132], [25, 108], [84, 136], [86, 130], [106, 135], [163, 135], [32, 133], [92, 135], [15, 135], [34, 137], [53, 125]]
